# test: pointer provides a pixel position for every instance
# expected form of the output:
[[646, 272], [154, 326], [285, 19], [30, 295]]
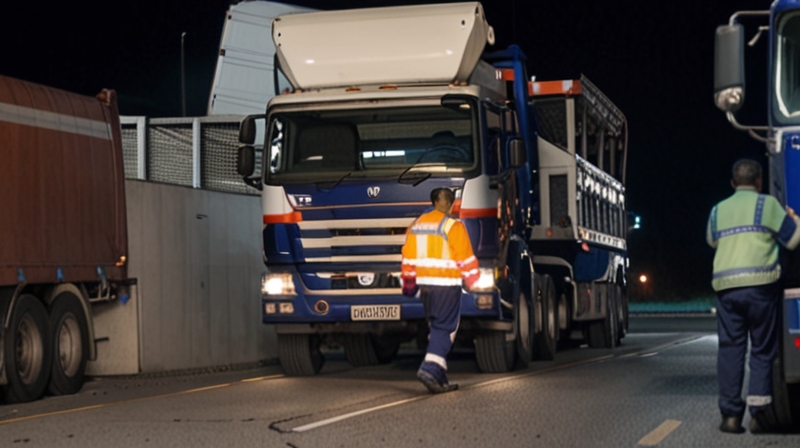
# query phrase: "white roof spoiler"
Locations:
[[382, 46]]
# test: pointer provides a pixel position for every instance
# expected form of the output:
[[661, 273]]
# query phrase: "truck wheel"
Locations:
[[545, 342], [28, 352], [781, 415], [523, 330], [367, 350], [69, 334], [300, 354], [603, 333], [494, 352], [620, 313]]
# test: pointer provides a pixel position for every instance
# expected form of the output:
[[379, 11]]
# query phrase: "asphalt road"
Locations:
[[657, 389]]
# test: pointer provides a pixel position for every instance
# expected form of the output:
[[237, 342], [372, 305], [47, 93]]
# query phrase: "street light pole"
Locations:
[[183, 76]]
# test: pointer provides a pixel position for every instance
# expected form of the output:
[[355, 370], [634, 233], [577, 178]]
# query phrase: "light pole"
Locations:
[[183, 77]]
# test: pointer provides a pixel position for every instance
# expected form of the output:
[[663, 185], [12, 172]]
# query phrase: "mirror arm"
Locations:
[[750, 129], [746, 13]]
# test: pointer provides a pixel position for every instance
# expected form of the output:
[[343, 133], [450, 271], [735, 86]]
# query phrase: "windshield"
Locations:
[[787, 69], [311, 145]]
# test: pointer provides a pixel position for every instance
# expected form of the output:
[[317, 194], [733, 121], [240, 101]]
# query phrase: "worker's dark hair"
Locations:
[[746, 172], [449, 196]]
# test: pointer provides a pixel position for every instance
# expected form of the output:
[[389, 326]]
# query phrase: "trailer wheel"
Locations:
[[603, 333], [546, 341], [28, 353], [367, 350], [300, 354], [69, 334]]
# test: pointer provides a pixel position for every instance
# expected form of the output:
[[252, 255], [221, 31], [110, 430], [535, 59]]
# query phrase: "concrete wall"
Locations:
[[197, 257]]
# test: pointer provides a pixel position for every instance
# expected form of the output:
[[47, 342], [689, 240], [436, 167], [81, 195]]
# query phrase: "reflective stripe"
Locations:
[[422, 246], [759, 400], [743, 229], [432, 263], [467, 261], [439, 281], [744, 271], [436, 359], [759, 209], [54, 121]]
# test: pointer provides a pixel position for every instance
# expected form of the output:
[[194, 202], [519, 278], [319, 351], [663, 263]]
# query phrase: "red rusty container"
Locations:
[[62, 186]]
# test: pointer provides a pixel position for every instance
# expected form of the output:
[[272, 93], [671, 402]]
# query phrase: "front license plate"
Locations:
[[375, 312]]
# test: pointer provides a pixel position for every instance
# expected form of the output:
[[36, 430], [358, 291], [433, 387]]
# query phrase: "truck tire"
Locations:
[[494, 352], [544, 347], [619, 314], [28, 352], [523, 331], [784, 412], [367, 350], [300, 354], [69, 335], [603, 333]]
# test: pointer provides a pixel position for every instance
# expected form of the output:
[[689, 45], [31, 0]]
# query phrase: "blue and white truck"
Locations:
[[389, 103], [781, 135]]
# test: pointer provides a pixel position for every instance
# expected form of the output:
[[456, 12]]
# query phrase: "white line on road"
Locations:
[[331, 420], [135, 400], [339, 418], [657, 435]]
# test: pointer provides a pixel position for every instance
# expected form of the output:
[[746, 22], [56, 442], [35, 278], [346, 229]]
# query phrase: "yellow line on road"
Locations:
[[657, 435], [135, 400]]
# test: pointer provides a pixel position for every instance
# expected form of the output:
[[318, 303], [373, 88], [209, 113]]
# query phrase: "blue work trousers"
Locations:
[[443, 310], [741, 312]]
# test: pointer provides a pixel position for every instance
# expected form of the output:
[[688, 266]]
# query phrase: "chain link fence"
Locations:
[[195, 152]]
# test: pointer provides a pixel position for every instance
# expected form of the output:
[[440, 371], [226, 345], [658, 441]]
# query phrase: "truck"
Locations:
[[781, 135], [63, 235], [387, 104], [123, 244]]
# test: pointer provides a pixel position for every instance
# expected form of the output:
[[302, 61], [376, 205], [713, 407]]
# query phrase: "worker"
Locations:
[[745, 229], [437, 261]]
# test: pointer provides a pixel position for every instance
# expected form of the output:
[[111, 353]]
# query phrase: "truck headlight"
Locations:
[[485, 282], [277, 284]]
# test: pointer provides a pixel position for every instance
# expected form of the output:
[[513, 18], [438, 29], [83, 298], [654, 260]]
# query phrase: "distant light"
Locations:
[[309, 61], [643, 278], [797, 343]]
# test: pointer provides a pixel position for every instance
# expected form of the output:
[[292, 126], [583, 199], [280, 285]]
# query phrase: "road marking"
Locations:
[[331, 420], [135, 400], [657, 435], [339, 418]]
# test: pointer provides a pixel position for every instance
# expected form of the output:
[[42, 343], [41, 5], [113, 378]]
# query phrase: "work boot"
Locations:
[[434, 377], [758, 424], [731, 424]]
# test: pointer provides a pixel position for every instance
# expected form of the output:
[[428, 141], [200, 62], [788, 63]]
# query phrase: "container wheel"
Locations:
[[70, 341], [603, 333], [28, 353], [300, 354]]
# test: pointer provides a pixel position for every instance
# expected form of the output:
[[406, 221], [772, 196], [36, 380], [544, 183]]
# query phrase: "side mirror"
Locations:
[[247, 130], [246, 161], [518, 154], [729, 67]]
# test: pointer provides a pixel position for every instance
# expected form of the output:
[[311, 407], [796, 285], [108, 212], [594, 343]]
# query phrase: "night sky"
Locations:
[[654, 59]]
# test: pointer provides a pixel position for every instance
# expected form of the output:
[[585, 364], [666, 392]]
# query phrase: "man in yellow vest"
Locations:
[[437, 261]]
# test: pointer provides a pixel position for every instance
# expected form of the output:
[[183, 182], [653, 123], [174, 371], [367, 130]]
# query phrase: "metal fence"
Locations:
[[198, 152]]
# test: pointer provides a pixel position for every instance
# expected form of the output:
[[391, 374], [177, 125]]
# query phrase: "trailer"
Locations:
[[385, 105]]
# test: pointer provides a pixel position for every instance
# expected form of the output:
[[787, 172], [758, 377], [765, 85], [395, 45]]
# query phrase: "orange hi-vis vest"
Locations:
[[437, 252]]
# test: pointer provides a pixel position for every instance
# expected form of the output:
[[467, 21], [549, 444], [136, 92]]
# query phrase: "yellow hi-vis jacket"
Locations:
[[437, 252]]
